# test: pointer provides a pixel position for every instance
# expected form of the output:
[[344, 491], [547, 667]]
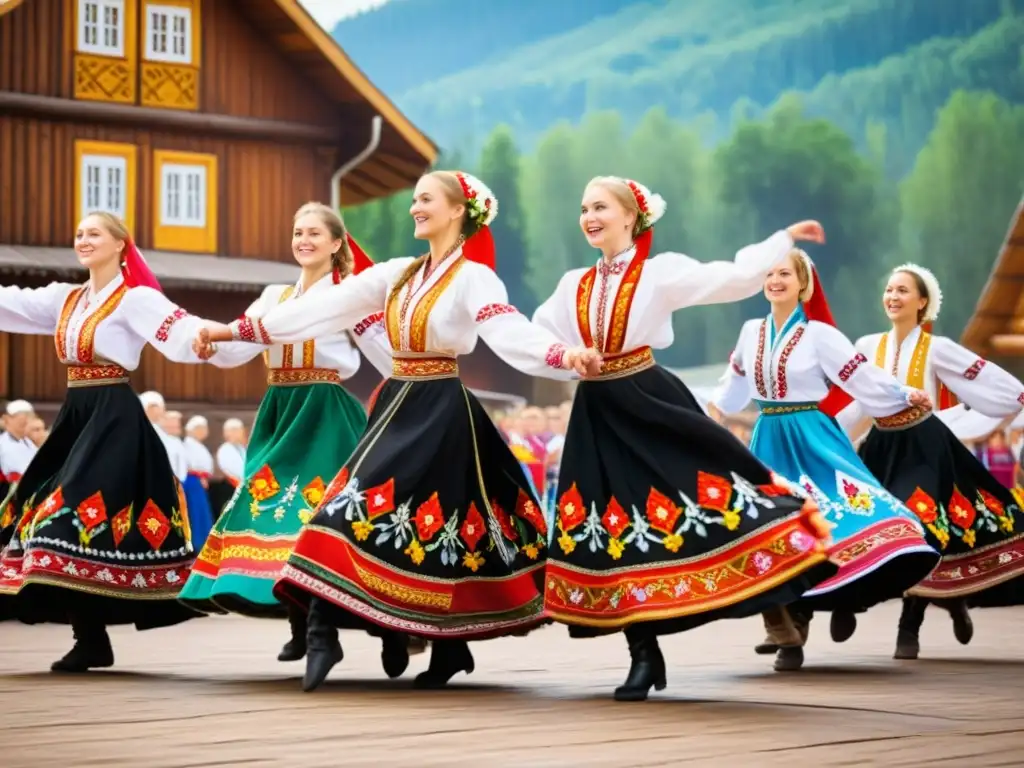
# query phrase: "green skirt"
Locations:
[[301, 435]]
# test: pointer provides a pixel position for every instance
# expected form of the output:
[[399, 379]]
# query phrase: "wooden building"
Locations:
[[996, 330], [205, 124]]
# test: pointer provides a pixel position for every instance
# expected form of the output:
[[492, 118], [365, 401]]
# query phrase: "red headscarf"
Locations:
[[817, 308], [135, 270], [360, 260], [480, 245]]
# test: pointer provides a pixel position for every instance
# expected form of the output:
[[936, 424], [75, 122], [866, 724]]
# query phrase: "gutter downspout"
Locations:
[[371, 147]]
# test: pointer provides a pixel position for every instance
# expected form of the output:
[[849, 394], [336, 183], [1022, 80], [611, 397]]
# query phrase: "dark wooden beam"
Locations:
[[223, 125]]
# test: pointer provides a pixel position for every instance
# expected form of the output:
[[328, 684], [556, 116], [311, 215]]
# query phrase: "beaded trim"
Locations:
[[96, 375]]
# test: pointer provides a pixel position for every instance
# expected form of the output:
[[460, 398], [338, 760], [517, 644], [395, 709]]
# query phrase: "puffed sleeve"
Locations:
[[168, 328], [322, 313], [558, 313], [522, 344], [372, 340], [977, 382], [733, 391], [232, 354], [685, 282], [877, 391], [32, 310]]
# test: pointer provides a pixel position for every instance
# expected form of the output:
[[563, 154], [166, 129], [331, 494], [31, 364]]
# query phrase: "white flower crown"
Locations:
[[931, 312], [481, 204], [652, 205]]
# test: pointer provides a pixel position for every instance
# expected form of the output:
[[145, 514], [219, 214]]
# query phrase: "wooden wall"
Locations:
[[260, 184]]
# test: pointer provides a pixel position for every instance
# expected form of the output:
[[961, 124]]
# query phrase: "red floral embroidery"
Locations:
[[504, 521], [556, 355], [571, 511], [850, 368], [263, 484], [961, 511], [615, 268], [1020, 398], [153, 525], [923, 505], [429, 518], [313, 493], [92, 512], [994, 505], [247, 329], [734, 363], [367, 323], [762, 390], [527, 510], [972, 373], [381, 499], [473, 527], [164, 331], [337, 484], [615, 519], [713, 492], [493, 310], [782, 385], [662, 514], [121, 524]]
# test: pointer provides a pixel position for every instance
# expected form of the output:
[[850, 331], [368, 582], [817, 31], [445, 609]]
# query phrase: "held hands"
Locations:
[[584, 360], [808, 231], [204, 344], [920, 398]]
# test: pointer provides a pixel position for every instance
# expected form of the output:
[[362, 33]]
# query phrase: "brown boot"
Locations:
[[781, 632]]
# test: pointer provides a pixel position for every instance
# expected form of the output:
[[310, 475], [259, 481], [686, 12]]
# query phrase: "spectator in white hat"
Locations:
[[156, 410], [16, 448], [231, 454]]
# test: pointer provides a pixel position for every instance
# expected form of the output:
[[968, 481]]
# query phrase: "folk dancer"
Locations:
[[665, 520]]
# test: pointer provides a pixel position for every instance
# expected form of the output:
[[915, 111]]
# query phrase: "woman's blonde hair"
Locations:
[[802, 267], [456, 196], [341, 259], [623, 194]]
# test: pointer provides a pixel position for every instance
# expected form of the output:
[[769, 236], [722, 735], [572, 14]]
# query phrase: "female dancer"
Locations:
[[306, 428], [786, 362], [971, 516], [98, 531], [665, 520], [430, 527]]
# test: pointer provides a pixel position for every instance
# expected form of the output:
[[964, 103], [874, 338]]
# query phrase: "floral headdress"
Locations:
[[931, 283], [652, 205], [481, 209]]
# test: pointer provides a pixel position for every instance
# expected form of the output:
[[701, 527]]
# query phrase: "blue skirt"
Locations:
[[878, 543], [199, 514]]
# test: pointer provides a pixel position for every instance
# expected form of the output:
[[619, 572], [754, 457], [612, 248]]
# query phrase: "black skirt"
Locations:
[[430, 528], [972, 519], [664, 517], [98, 523]]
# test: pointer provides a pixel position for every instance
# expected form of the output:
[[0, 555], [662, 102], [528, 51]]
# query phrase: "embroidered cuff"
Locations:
[[164, 331], [972, 373], [250, 330], [851, 367], [493, 310], [556, 355], [367, 323]]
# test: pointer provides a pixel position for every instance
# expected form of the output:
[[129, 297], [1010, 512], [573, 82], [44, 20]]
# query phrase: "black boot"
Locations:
[[447, 659], [394, 653], [842, 626], [323, 650], [911, 618], [295, 648], [647, 665], [92, 649], [963, 627], [789, 659]]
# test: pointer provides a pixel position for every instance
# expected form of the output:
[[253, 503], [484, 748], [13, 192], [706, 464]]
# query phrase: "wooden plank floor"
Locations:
[[210, 693]]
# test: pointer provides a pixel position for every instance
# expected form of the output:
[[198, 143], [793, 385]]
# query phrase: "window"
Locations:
[[185, 201], [105, 179], [169, 34], [101, 27]]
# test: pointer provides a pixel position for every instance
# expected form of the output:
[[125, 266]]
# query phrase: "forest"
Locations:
[[915, 158]]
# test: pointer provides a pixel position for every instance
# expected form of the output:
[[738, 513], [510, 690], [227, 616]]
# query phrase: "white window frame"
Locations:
[[104, 181], [175, 45], [101, 27], [183, 195]]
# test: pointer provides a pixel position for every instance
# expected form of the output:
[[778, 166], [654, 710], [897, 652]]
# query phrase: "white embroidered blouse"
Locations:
[[609, 307], [441, 314], [798, 364], [110, 326], [948, 372], [338, 351]]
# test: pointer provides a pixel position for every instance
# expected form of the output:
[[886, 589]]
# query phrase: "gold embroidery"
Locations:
[[87, 337], [93, 375], [778, 410], [424, 368], [623, 303], [61, 336], [296, 376], [618, 366], [403, 594], [421, 314], [908, 417], [583, 294]]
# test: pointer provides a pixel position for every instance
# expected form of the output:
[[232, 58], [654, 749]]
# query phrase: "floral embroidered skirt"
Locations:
[[98, 524], [301, 435], [664, 517], [430, 528], [971, 518], [878, 544]]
